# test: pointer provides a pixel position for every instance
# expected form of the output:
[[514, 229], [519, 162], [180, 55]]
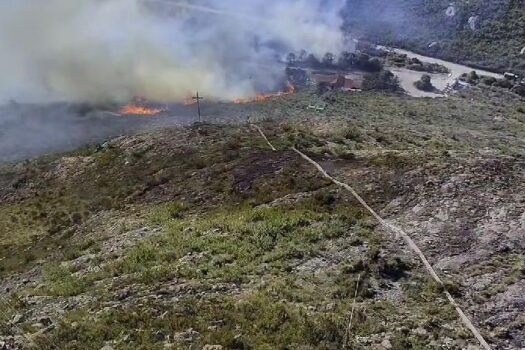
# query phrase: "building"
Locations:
[[330, 82]]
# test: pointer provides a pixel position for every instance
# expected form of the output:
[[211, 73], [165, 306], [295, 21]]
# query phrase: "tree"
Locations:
[[361, 60], [302, 55], [297, 77], [328, 59], [312, 61], [374, 65], [291, 58], [472, 77], [425, 83], [346, 60], [384, 80], [364, 62]]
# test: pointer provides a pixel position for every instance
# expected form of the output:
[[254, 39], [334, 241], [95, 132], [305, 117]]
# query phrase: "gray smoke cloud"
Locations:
[[95, 50]]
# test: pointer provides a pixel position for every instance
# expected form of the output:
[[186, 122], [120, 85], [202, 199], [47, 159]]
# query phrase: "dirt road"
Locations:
[[440, 81]]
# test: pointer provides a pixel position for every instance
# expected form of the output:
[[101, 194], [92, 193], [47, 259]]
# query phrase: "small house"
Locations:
[[330, 82]]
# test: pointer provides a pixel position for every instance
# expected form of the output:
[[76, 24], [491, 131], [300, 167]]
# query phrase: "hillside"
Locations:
[[493, 38], [203, 237]]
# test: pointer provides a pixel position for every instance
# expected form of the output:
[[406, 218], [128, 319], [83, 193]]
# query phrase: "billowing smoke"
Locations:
[[164, 50]]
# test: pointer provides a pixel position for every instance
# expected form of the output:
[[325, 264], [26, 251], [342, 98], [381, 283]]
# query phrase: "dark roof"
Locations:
[[324, 78], [337, 79], [351, 84]]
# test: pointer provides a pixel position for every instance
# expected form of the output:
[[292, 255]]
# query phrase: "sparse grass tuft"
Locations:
[[61, 281]]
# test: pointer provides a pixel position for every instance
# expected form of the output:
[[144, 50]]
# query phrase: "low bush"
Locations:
[[381, 81], [425, 83]]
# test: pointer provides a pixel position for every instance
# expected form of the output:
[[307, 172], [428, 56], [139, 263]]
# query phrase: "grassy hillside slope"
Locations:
[[202, 237]]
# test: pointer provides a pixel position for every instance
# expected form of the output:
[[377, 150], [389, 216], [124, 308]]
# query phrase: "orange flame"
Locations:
[[134, 109], [264, 97]]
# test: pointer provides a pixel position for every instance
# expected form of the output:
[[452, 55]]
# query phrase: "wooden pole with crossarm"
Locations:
[[198, 98]]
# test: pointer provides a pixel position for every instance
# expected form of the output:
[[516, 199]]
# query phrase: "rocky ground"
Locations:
[[202, 237]]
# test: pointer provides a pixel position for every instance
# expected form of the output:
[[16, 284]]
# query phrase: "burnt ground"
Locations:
[[202, 237], [28, 131]]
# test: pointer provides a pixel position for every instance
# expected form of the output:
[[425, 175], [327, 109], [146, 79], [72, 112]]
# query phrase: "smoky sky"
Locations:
[[99, 50]]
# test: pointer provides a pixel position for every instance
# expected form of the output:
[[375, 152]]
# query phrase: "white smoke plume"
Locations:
[[163, 50]]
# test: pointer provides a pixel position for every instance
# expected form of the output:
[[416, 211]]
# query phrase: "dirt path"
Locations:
[[398, 232], [410, 242]]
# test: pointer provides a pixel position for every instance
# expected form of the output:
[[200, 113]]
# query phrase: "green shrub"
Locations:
[[519, 89], [381, 81], [503, 83], [60, 281], [425, 83], [488, 80]]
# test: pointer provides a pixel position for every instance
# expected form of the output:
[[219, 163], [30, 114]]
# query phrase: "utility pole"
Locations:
[[198, 98]]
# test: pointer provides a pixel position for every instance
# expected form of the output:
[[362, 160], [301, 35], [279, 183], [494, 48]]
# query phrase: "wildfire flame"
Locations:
[[137, 106], [135, 109], [264, 97]]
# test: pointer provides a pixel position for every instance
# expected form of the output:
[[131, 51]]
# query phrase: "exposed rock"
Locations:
[[17, 319], [212, 347], [421, 331], [473, 23], [386, 344], [187, 336], [123, 294], [451, 11]]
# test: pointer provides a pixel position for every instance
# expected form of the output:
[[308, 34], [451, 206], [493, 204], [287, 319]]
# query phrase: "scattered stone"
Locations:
[[187, 336], [386, 344], [37, 325], [473, 23], [421, 331], [451, 11], [17, 319], [473, 347], [212, 347], [122, 294], [330, 307]]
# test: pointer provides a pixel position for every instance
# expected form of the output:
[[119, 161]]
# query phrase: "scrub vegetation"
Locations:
[[203, 237], [482, 33]]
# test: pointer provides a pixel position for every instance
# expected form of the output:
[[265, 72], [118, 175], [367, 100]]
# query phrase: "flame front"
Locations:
[[264, 97], [134, 109]]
